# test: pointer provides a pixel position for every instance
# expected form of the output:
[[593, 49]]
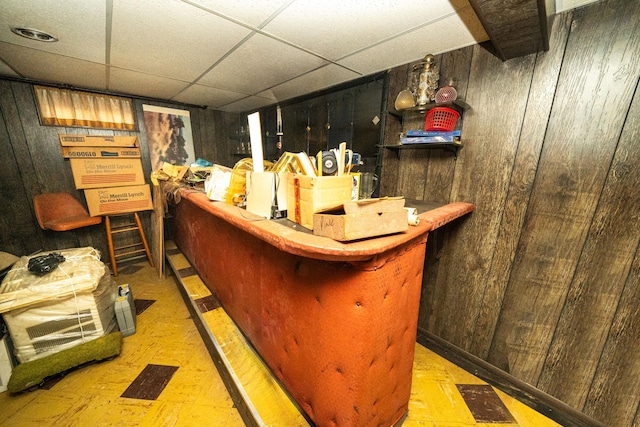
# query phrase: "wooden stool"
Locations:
[[141, 246]]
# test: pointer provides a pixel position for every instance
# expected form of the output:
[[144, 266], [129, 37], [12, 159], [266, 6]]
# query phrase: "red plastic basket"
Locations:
[[441, 118]]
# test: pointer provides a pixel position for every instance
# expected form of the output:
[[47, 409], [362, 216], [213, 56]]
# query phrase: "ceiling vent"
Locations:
[[34, 34]]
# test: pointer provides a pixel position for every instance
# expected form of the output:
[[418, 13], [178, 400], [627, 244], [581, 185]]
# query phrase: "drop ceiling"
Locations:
[[230, 55]]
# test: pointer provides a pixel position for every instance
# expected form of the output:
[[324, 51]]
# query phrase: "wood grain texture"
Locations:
[[19, 232], [396, 81], [614, 394], [515, 27], [439, 175], [41, 168], [603, 267], [483, 169], [599, 74], [538, 108]]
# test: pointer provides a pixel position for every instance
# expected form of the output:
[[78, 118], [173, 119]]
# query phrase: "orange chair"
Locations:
[[62, 212]]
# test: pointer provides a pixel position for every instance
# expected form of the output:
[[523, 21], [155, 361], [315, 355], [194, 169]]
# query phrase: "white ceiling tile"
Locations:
[[5, 70], [204, 95], [141, 84], [206, 52], [251, 13], [258, 64], [47, 67], [445, 35], [562, 5], [334, 28], [319, 79], [79, 26], [249, 103], [169, 38]]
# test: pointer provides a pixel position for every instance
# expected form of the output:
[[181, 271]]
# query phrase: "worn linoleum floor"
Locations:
[[167, 356]]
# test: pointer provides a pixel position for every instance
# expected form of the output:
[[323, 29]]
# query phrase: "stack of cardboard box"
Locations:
[[109, 170]]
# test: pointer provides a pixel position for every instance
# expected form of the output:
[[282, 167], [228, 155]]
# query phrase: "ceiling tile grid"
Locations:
[[232, 55]]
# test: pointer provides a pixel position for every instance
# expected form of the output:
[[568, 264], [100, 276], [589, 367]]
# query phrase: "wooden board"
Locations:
[[24, 236], [539, 103], [157, 229], [589, 111], [491, 132], [607, 256], [515, 28]]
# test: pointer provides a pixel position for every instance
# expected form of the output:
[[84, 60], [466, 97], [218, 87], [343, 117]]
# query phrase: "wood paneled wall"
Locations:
[[32, 163], [543, 279]]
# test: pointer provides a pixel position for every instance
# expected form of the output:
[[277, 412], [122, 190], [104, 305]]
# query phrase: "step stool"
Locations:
[[130, 249]]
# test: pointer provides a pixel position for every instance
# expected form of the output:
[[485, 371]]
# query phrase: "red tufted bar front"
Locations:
[[335, 322]]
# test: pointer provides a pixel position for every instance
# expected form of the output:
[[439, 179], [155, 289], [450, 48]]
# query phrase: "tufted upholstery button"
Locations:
[[339, 336]]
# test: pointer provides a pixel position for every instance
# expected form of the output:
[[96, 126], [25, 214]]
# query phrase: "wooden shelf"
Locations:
[[454, 147]]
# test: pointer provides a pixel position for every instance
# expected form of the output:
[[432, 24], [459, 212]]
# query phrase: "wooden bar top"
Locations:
[[294, 239]]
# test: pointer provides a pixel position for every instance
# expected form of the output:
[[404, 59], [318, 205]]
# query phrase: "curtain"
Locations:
[[62, 107]]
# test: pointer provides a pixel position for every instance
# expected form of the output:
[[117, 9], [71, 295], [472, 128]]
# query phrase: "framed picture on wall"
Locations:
[[169, 136]]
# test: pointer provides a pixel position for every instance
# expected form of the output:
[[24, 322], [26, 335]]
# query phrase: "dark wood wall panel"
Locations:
[[396, 81], [542, 279], [32, 157], [454, 68], [614, 394], [497, 94], [590, 107], [16, 225], [608, 253], [539, 102]]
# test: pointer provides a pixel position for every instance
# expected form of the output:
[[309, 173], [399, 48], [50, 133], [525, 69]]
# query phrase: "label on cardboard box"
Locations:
[[116, 200], [97, 141], [100, 172], [100, 152]]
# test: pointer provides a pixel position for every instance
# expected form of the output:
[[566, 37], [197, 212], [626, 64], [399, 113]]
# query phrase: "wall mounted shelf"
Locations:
[[454, 147]]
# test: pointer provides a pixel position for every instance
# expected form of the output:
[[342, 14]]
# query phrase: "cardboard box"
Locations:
[[100, 152], [98, 141], [307, 195], [362, 219], [116, 200], [99, 172]]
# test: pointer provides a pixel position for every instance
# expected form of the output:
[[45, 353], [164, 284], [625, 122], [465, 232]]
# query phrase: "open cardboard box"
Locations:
[[361, 219], [307, 195]]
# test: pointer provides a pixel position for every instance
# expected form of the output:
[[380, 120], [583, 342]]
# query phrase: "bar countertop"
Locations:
[[296, 240]]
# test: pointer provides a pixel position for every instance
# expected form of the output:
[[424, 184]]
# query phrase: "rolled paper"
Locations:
[[412, 216]]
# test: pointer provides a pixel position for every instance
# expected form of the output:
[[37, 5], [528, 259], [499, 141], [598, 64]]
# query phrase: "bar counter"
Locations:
[[335, 322]]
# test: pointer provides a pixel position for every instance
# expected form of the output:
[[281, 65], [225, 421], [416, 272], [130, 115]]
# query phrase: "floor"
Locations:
[[165, 375]]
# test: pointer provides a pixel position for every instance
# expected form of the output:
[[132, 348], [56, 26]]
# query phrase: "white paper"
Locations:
[[260, 193], [255, 135]]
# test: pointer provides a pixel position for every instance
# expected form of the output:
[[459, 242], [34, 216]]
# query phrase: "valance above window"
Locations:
[[63, 107]]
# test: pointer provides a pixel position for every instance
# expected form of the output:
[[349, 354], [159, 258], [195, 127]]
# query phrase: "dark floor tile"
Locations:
[[485, 404], [142, 304], [49, 382], [186, 272], [129, 268], [150, 383], [207, 303]]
